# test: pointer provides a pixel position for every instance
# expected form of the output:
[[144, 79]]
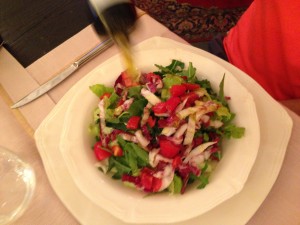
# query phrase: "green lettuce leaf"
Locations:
[[176, 185], [100, 89], [132, 150], [232, 131], [169, 80]]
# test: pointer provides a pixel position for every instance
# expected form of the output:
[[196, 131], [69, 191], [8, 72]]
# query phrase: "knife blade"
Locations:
[[44, 88]]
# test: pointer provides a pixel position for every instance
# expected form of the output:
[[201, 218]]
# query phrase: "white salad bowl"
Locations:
[[130, 205]]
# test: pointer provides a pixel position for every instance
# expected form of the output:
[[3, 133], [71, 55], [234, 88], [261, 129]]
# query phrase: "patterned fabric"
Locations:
[[192, 23], [225, 4]]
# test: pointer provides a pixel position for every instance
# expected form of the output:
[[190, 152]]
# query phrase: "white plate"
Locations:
[[274, 139], [128, 204]]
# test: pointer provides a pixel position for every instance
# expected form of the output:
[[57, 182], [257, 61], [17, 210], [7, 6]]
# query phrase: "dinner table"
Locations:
[[278, 205]]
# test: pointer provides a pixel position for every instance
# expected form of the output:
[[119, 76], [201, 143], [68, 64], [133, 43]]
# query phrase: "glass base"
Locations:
[[17, 184]]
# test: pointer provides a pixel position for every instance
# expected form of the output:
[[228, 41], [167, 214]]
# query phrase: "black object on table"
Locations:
[[32, 28]]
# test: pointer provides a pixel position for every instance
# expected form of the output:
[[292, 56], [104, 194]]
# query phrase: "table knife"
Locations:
[[64, 74]]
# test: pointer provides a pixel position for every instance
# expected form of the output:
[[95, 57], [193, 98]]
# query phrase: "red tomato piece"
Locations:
[[100, 152], [105, 95], [191, 86], [166, 107], [131, 179], [120, 102], [127, 80], [176, 162], [162, 123], [159, 108], [191, 98], [168, 149], [117, 150], [151, 121], [148, 181], [177, 90], [133, 122], [156, 184], [184, 77], [172, 103]]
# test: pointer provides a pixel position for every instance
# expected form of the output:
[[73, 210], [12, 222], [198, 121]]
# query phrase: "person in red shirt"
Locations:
[[265, 44]]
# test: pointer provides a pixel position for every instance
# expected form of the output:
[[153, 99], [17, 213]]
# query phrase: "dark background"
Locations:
[[31, 28]]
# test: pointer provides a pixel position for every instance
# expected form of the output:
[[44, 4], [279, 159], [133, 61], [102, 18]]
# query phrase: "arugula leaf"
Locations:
[[118, 126], [137, 107], [129, 156], [207, 86], [203, 181], [113, 100], [119, 163], [100, 89], [141, 154], [204, 84], [190, 73], [204, 168], [121, 142], [135, 92], [117, 175], [135, 155], [221, 95], [124, 117], [175, 67], [132, 162]]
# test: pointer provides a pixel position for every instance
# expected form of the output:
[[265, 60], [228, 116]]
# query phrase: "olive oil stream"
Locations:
[[118, 27], [126, 53]]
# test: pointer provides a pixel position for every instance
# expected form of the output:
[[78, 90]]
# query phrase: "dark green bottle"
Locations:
[[113, 16]]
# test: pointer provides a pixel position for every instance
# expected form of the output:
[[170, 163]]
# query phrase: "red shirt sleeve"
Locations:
[[265, 45]]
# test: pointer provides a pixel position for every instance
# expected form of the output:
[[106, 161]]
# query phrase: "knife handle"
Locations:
[[94, 52]]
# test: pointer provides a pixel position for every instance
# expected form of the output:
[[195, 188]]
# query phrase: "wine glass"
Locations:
[[17, 184]]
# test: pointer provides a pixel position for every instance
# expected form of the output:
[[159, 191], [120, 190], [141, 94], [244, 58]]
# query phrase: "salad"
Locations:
[[161, 132]]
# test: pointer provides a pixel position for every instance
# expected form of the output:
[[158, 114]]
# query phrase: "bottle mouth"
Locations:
[[104, 4]]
